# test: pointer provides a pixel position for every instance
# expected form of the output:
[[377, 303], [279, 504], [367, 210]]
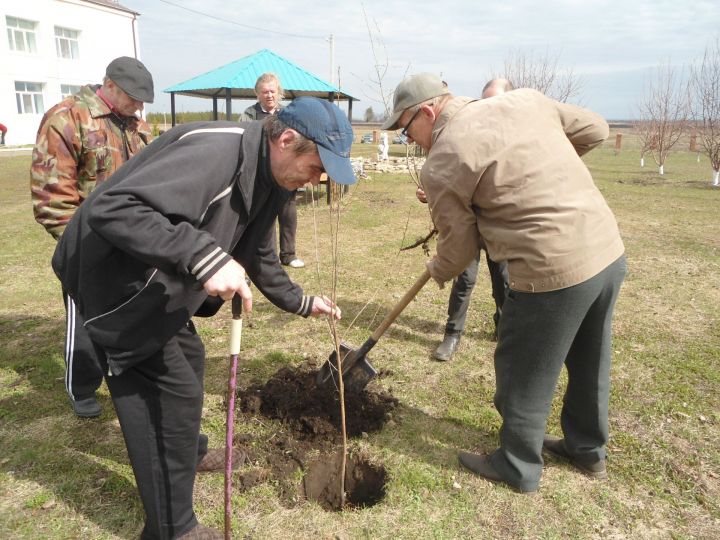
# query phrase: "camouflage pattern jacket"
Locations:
[[80, 143]]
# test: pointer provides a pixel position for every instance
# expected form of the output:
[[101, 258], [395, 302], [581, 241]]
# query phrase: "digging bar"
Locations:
[[235, 337], [357, 371]]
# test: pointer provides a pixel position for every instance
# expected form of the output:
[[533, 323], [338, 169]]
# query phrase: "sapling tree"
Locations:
[[705, 105], [643, 130], [664, 112]]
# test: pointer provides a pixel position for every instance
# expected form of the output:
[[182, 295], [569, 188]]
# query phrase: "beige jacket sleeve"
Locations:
[[451, 208], [585, 129]]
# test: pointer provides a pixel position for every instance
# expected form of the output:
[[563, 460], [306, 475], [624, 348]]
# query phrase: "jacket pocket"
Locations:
[[98, 156], [138, 327]]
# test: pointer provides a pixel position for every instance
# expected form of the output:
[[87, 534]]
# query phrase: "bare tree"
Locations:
[[664, 109], [373, 85], [705, 98], [542, 72], [381, 63], [643, 130]]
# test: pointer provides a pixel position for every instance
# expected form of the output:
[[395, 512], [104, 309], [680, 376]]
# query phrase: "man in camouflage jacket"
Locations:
[[81, 142]]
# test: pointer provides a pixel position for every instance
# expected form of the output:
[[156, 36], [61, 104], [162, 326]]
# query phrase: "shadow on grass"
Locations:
[[81, 462], [434, 440], [84, 464]]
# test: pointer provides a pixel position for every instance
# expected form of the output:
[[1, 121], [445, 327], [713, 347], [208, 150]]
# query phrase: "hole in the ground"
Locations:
[[364, 481], [306, 423]]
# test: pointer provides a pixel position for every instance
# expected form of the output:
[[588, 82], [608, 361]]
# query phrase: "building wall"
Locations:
[[104, 33]]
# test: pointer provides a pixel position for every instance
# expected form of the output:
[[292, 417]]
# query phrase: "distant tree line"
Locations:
[[673, 105]]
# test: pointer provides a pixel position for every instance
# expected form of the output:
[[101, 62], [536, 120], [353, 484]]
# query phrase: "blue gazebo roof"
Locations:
[[239, 78]]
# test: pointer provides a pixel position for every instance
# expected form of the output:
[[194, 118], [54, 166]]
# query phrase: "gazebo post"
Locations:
[[350, 110], [172, 108], [215, 111], [228, 103]]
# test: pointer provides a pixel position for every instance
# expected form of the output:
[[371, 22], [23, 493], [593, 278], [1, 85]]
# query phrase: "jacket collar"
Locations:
[[94, 103], [98, 109], [251, 142], [452, 107]]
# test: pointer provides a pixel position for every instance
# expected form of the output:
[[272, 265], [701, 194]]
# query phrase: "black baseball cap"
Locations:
[[131, 75]]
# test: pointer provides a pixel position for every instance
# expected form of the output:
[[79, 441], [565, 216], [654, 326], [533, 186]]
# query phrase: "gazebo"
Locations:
[[237, 80]]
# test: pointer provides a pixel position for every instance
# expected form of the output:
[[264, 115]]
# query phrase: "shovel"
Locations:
[[357, 371], [235, 336]]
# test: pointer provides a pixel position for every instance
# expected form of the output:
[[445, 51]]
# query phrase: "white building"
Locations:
[[51, 48]]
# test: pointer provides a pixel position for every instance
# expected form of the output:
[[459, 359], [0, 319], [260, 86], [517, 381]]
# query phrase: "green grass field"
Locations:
[[65, 478]]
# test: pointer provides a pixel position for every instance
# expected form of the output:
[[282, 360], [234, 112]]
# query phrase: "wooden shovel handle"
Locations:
[[401, 305]]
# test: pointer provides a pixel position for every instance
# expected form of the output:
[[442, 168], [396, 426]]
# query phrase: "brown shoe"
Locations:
[[556, 447], [214, 460], [201, 532]]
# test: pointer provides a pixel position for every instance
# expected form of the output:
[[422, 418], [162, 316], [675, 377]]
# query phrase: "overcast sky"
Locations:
[[613, 45]]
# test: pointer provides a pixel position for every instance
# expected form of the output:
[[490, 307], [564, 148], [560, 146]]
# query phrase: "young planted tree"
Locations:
[[381, 64], [705, 99], [542, 72], [664, 111], [644, 132]]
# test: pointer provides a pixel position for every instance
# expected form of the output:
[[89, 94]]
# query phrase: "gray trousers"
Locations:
[[539, 332], [462, 289]]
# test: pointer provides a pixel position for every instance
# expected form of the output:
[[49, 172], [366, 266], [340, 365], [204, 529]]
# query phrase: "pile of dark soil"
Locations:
[[309, 438], [313, 412]]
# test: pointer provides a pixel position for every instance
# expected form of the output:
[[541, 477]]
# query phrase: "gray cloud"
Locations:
[[611, 43]]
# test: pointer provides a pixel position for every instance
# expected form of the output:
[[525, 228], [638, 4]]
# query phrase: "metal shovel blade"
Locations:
[[357, 370]]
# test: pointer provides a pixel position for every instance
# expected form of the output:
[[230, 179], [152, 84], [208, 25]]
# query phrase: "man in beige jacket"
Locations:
[[464, 283], [506, 172]]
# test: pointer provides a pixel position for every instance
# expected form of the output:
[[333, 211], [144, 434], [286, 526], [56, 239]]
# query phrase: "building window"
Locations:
[[29, 97], [21, 34], [66, 43], [69, 89]]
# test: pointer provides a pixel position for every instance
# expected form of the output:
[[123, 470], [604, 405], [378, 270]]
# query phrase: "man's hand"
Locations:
[[322, 305], [420, 194], [228, 281]]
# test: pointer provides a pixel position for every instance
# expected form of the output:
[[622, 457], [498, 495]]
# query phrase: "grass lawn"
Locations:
[[65, 478]]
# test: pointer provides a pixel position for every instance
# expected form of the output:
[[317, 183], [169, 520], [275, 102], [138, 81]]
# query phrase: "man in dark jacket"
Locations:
[[270, 93], [171, 235]]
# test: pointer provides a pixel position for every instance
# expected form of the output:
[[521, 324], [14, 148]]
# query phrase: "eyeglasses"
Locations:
[[404, 131]]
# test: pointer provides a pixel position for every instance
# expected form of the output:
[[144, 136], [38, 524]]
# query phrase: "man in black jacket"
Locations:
[[170, 235]]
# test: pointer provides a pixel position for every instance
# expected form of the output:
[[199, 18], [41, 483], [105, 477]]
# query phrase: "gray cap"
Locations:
[[411, 91], [132, 77]]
